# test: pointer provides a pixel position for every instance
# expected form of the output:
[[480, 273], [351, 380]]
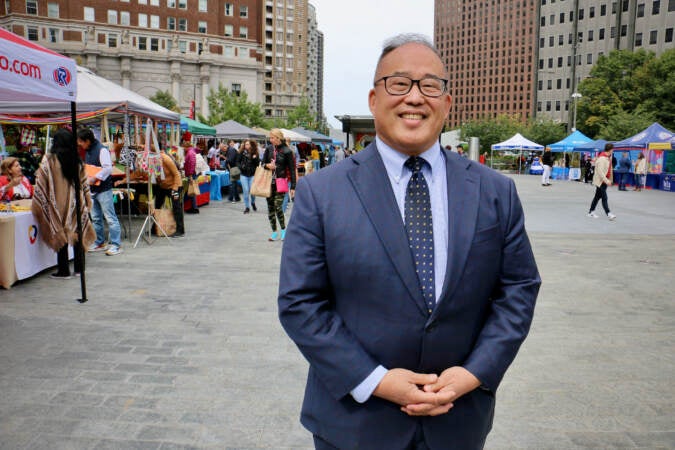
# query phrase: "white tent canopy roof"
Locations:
[[295, 136], [517, 142], [95, 93]]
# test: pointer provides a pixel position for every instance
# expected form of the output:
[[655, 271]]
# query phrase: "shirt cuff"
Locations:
[[363, 391]]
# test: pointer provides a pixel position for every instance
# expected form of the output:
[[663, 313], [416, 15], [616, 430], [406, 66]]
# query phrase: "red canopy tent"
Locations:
[[32, 73]]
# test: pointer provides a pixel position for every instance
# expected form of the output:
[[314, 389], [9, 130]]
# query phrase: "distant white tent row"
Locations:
[[518, 143]]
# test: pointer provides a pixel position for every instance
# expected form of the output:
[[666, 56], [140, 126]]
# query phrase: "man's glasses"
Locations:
[[400, 85]]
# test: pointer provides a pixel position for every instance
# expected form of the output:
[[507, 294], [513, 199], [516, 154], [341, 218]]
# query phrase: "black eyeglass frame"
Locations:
[[412, 83]]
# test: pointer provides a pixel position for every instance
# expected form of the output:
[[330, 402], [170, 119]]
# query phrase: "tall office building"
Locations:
[[573, 34], [489, 50], [284, 42], [315, 65], [186, 47]]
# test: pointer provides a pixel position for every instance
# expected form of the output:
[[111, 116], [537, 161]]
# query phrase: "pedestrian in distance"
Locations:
[[279, 159], [640, 172], [624, 170], [407, 279], [602, 178], [547, 162]]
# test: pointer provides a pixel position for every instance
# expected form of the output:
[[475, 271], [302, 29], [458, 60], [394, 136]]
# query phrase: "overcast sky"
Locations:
[[353, 35]]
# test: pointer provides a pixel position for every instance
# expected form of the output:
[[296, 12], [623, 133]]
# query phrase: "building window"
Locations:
[[560, 61], [54, 34], [142, 2], [142, 43], [671, 5], [613, 7], [154, 44], [182, 46], [656, 7], [638, 39], [601, 34], [542, 21], [236, 89], [624, 5], [229, 51], [203, 7], [170, 3], [548, 105], [229, 30], [31, 8], [567, 83], [89, 15], [581, 14], [624, 30], [612, 32], [590, 35], [551, 41], [243, 52], [652, 37], [550, 63], [562, 18], [561, 39], [112, 40], [557, 105], [243, 12], [229, 9], [171, 23], [541, 64], [558, 83], [182, 4], [143, 20], [669, 35], [540, 85], [243, 32], [32, 33], [641, 10], [154, 22], [112, 17], [539, 106], [53, 10], [182, 25], [549, 84], [542, 42], [603, 10], [125, 18], [154, 2], [589, 58], [551, 19], [591, 12], [201, 27]]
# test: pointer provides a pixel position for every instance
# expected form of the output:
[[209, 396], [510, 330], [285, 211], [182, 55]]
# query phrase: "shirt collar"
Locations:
[[394, 161]]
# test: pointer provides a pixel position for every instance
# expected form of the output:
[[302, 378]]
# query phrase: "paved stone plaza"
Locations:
[[179, 346]]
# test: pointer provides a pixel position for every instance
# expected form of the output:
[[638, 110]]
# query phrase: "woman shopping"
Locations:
[[279, 159], [54, 203], [13, 184], [249, 159]]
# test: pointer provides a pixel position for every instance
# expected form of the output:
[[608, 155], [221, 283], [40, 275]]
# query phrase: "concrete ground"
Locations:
[[179, 345]]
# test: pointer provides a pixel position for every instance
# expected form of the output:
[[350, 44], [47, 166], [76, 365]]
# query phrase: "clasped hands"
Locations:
[[421, 394]]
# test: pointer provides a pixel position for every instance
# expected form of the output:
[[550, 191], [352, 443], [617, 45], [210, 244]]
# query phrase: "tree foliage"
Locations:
[[301, 116], [627, 91], [225, 105], [491, 131], [165, 99]]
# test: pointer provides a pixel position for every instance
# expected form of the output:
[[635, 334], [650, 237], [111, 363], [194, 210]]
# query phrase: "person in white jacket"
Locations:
[[601, 179]]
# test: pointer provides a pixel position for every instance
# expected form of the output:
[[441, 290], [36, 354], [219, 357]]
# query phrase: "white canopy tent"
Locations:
[[95, 93], [516, 142], [294, 136]]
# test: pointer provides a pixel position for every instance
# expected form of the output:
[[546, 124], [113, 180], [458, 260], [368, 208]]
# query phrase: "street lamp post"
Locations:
[[575, 96]]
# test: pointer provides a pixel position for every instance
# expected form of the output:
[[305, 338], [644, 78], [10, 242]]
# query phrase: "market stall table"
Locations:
[[23, 253]]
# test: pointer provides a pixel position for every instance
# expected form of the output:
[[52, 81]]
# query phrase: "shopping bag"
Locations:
[[262, 182], [193, 188], [281, 185], [166, 221]]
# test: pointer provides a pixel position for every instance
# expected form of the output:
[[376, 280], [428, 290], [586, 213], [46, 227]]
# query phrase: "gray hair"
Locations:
[[400, 40]]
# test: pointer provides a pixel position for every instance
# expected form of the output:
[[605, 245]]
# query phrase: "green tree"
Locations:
[[662, 100], [597, 104], [301, 116], [165, 99], [225, 105], [491, 130], [624, 124], [544, 131]]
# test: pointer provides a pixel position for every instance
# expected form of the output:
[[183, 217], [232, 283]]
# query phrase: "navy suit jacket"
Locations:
[[350, 299]]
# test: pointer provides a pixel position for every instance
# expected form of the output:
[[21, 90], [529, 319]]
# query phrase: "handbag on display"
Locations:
[[235, 173], [262, 182], [282, 185]]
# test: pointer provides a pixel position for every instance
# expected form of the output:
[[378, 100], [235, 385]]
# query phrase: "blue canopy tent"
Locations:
[[315, 136], [593, 146], [570, 142]]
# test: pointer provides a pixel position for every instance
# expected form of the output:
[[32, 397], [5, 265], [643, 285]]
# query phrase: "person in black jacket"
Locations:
[[249, 159], [547, 162], [233, 161], [278, 158]]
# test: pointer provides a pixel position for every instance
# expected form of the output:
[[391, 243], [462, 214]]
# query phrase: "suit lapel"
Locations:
[[369, 178], [463, 202]]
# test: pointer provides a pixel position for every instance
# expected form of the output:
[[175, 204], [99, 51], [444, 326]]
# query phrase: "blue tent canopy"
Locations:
[[570, 142], [593, 146], [655, 133], [314, 135]]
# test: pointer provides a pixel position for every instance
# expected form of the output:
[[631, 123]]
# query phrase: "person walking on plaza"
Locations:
[[407, 279], [190, 170], [623, 170], [640, 172], [54, 203], [100, 186], [547, 162], [171, 186], [601, 179], [339, 154], [232, 162], [279, 159], [248, 162]]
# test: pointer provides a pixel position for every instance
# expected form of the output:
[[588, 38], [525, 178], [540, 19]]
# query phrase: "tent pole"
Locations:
[[79, 246], [127, 150]]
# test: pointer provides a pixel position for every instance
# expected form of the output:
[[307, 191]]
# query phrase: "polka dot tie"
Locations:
[[419, 225]]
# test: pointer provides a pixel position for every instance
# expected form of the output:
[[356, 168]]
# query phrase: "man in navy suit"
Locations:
[[403, 358]]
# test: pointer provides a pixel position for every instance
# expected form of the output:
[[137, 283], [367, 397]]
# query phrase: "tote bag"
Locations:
[[262, 182]]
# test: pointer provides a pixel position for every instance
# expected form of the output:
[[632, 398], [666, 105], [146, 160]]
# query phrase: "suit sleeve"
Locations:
[[513, 300], [306, 308]]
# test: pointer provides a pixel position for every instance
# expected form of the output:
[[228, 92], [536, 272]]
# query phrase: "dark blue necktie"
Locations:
[[419, 225]]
